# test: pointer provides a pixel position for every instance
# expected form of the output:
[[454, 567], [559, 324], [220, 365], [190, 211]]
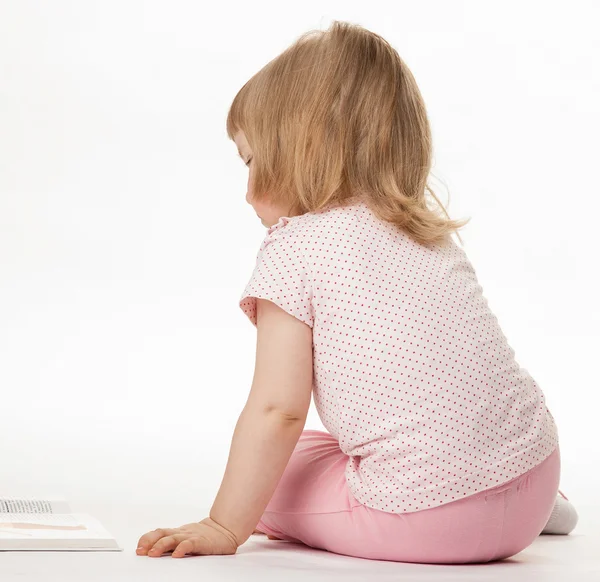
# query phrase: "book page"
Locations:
[[32, 505], [49, 526], [20, 523]]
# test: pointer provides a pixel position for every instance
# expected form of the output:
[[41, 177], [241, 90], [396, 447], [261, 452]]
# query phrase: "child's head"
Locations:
[[338, 115], [269, 214]]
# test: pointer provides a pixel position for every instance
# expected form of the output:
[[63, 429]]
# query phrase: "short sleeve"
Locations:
[[281, 276]]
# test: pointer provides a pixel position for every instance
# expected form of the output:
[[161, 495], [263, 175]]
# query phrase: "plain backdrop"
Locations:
[[126, 241]]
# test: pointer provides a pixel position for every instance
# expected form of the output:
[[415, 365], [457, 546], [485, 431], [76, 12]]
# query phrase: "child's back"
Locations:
[[412, 372]]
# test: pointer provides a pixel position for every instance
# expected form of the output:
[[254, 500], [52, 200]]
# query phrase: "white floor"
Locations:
[[575, 557]]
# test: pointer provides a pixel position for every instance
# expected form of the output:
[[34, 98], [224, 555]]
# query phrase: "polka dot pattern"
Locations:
[[412, 372]]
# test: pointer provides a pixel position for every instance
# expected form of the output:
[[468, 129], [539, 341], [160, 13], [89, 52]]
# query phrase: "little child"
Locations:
[[439, 447]]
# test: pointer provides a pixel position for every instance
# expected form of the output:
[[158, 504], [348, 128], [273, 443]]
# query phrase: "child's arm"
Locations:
[[271, 422]]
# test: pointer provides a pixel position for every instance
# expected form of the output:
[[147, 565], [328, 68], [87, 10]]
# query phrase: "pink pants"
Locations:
[[313, 505]]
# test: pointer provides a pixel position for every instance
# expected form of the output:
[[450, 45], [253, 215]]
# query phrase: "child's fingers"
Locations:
[[187, 546], [167, 544], [148, 540]]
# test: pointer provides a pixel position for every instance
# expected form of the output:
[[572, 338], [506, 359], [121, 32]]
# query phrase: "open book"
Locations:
[[36, 524]]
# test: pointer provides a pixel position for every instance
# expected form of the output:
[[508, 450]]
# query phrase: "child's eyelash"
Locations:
[[248, 162]]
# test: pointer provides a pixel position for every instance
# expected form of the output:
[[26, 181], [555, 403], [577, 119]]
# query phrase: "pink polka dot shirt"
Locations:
[[412, 372]]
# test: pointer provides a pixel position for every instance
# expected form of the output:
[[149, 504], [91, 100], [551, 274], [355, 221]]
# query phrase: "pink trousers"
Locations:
[[312, 505]]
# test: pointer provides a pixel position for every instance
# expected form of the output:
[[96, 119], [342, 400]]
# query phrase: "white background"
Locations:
[[126, 241]]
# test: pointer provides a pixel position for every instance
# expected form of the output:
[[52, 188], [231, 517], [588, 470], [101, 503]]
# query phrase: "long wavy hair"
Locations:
[[338, 115]]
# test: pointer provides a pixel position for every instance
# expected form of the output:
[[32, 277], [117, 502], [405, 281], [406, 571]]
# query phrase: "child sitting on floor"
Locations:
[[439, 447]]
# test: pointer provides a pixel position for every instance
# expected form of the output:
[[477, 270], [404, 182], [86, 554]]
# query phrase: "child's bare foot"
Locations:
[[257, 531]]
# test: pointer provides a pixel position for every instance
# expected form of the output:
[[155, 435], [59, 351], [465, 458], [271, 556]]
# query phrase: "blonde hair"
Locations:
[[338, 115]]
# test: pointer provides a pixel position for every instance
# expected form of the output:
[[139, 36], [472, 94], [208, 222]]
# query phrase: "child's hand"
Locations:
[[198, 538]]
